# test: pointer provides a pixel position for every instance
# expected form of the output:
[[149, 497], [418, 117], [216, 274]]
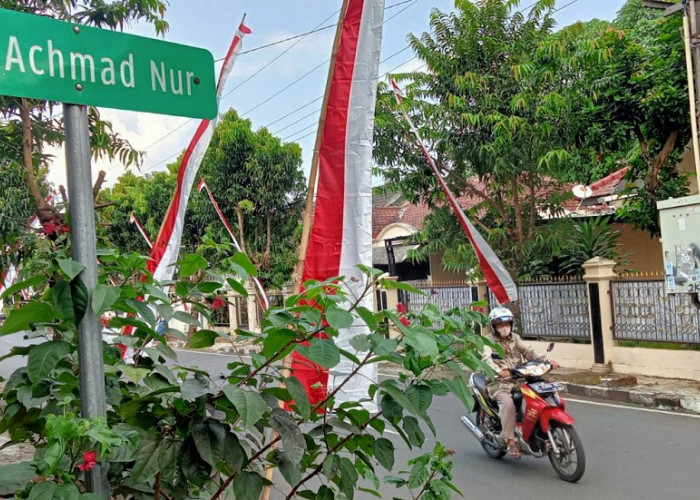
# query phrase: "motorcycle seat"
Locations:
[[480, 382]]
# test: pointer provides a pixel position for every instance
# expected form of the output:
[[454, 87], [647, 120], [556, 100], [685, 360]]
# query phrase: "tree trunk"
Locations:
[[239, 216], [651, 180], [43, 209], [518, 216], [268, 243]]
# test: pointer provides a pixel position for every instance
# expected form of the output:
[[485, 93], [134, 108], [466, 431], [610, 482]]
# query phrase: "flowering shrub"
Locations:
[[178, 432]]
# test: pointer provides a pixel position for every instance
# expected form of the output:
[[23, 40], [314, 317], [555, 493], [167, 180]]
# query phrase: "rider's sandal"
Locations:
[[514, 451]]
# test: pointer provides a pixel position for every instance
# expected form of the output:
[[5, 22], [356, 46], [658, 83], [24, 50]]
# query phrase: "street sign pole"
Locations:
[[84, 251]]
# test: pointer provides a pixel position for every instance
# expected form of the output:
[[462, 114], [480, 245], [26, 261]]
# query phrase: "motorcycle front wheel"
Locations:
[[493, 448], [570, 463]]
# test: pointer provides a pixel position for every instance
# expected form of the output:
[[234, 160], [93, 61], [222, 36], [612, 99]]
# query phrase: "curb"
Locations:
[[657, 400]]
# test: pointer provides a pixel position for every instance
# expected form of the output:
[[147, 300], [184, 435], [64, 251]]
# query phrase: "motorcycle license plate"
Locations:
[[543, 387]]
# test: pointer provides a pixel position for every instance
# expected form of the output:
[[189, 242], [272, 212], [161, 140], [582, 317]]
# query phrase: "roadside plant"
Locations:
[[174, 431]]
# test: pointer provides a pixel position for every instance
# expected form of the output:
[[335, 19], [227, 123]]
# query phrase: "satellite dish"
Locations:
[[581, 191]]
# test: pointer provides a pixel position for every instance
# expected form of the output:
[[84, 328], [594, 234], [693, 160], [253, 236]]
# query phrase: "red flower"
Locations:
[[89, 460], [402, 308], [405, 321], [218, 303]]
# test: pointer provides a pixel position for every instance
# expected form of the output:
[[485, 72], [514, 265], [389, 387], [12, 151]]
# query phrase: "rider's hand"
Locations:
[[504, 374], [554, 364]]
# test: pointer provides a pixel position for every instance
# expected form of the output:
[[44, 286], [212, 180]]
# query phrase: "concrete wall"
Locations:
[[568, 355], [645, 253], [657, 362]]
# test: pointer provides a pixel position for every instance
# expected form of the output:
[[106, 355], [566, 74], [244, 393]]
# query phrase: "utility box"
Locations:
[[680, 242]]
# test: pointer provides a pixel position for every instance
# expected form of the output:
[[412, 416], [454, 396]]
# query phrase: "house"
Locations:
[[394, 220]]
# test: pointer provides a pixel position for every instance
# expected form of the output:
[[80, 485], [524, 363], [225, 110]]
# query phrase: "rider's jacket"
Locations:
[[517, 352]]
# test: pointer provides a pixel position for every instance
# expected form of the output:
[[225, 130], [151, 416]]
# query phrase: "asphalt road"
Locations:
[[630, 453]]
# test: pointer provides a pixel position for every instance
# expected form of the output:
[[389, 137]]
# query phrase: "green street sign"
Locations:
[[42, 58]]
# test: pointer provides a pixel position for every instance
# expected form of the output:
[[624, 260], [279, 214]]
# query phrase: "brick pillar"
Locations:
[[598, 274]]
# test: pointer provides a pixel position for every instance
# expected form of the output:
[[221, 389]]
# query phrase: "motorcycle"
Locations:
[[543, 427]]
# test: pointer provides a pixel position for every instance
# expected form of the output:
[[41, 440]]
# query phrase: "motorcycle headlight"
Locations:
[[535, 371]]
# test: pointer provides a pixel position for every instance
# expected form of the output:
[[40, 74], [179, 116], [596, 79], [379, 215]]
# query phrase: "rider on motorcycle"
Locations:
[[516, 353]]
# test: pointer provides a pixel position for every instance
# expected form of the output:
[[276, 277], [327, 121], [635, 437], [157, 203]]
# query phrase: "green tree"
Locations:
[[259, 184], [632, 106], [491, 105]]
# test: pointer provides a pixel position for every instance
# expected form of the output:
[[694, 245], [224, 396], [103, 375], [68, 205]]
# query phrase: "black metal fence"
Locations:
[[643, 312], [552, 310], [445, 297]]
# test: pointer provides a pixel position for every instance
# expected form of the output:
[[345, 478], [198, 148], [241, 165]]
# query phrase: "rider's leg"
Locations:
[[506, 412]]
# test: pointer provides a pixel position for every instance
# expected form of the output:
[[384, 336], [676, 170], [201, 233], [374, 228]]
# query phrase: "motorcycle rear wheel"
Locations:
[[571, 462]]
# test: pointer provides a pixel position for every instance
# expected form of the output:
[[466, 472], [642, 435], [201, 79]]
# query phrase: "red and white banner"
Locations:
[[264, 302], [341, 236], [142, 231], [167, 244], [495, 274]]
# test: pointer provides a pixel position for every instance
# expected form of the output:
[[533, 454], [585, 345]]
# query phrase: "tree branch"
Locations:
[[651, 180]]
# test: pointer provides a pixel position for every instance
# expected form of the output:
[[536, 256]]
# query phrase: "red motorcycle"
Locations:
[[543, 426]]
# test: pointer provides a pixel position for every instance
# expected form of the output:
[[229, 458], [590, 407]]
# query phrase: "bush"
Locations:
[[177, 432]]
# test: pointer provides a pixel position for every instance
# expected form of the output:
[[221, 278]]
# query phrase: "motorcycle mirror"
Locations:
[[550, 347]]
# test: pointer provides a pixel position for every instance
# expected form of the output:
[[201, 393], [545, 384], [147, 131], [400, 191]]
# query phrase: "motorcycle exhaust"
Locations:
[[473, 428]]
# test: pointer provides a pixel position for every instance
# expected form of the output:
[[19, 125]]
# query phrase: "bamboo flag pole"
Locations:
[[308, 210]]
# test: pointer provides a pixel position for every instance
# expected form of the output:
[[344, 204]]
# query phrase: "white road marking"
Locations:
[[636, 408]]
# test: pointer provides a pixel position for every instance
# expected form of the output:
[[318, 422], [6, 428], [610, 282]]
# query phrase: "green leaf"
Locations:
[[66, 491], [191, 264], [292, 438], [325, 493], [324, 352], [289, 469], [276, 339], [70, 268], [62, 298], [360, 342], [301, 399], [242, 260], [338, 318], [458, 387], [144, 311], [415, 434], [24, 317], [209, 438], [43, 491], [81, 298], [193, 388], [247, 486], [420, 396], [368, 317], [237, 287], [22, 285], [422, 342], [202, 339], [14, 477], [146, 464], [186, 318], [91, 496], [249, 405], [348, 476], [136, 375], [103, 297], [208, 286], [43, 358], [419, 474], [390, 388], [400, 285], [384, 451]]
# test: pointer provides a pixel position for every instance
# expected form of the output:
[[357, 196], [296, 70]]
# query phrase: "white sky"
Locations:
[[210, 24]]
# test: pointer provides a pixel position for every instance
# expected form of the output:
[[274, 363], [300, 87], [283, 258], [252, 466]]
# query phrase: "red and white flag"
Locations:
[[167, 244], [141, 229], [341, 236], [264, 302], [495, 274]]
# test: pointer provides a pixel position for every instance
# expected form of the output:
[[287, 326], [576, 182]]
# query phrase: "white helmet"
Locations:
[[500, 315]]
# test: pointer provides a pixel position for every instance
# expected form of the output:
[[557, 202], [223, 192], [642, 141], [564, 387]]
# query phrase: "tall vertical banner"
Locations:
[[167, 244], [495, 273], [341, 236]]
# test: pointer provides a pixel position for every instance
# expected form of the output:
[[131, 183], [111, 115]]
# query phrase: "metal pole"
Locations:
[[83, 249], [691, 97]]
